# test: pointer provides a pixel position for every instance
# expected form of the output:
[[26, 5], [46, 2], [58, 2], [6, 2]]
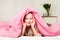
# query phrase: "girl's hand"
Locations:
[[33, 23], [34, 29], [24, 24], [24, 27]]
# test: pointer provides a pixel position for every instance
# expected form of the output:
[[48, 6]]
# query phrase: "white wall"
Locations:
[[6, 9], [9, 8], [56, 8]]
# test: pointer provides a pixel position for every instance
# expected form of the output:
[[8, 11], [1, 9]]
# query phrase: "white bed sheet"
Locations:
[[31, 38]]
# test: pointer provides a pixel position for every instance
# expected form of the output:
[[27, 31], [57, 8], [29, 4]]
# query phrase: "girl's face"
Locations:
[[29, 19]]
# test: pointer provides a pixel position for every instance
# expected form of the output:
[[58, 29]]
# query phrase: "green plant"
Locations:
[[47, 7]]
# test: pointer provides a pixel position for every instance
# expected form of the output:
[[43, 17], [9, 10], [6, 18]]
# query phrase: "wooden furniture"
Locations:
[[50, 19]]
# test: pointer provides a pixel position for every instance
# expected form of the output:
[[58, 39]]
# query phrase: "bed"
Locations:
[[31, 38]]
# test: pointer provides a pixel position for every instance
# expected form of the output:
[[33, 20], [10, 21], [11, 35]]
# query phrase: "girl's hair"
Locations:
[[26, 15]]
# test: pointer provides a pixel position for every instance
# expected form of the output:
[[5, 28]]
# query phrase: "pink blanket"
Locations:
[[14, 27]]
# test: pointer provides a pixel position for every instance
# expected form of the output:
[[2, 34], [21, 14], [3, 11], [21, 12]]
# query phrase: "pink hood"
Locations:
[[14, 27]]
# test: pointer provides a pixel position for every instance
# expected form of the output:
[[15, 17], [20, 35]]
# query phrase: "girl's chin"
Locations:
[[28, 25]]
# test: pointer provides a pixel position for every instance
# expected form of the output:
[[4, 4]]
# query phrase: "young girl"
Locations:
[[29, 26]]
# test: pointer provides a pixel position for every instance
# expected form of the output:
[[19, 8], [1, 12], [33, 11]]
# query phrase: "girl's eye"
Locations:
[[27, 18], [30, 18]]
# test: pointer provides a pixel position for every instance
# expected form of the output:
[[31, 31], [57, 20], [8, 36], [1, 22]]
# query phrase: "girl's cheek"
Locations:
[[31, 21]]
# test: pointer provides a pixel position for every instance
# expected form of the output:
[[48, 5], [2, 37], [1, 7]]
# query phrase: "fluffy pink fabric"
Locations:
[[14, 27]]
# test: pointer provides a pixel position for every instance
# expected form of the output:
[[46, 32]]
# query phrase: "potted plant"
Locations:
[[47, 8]]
